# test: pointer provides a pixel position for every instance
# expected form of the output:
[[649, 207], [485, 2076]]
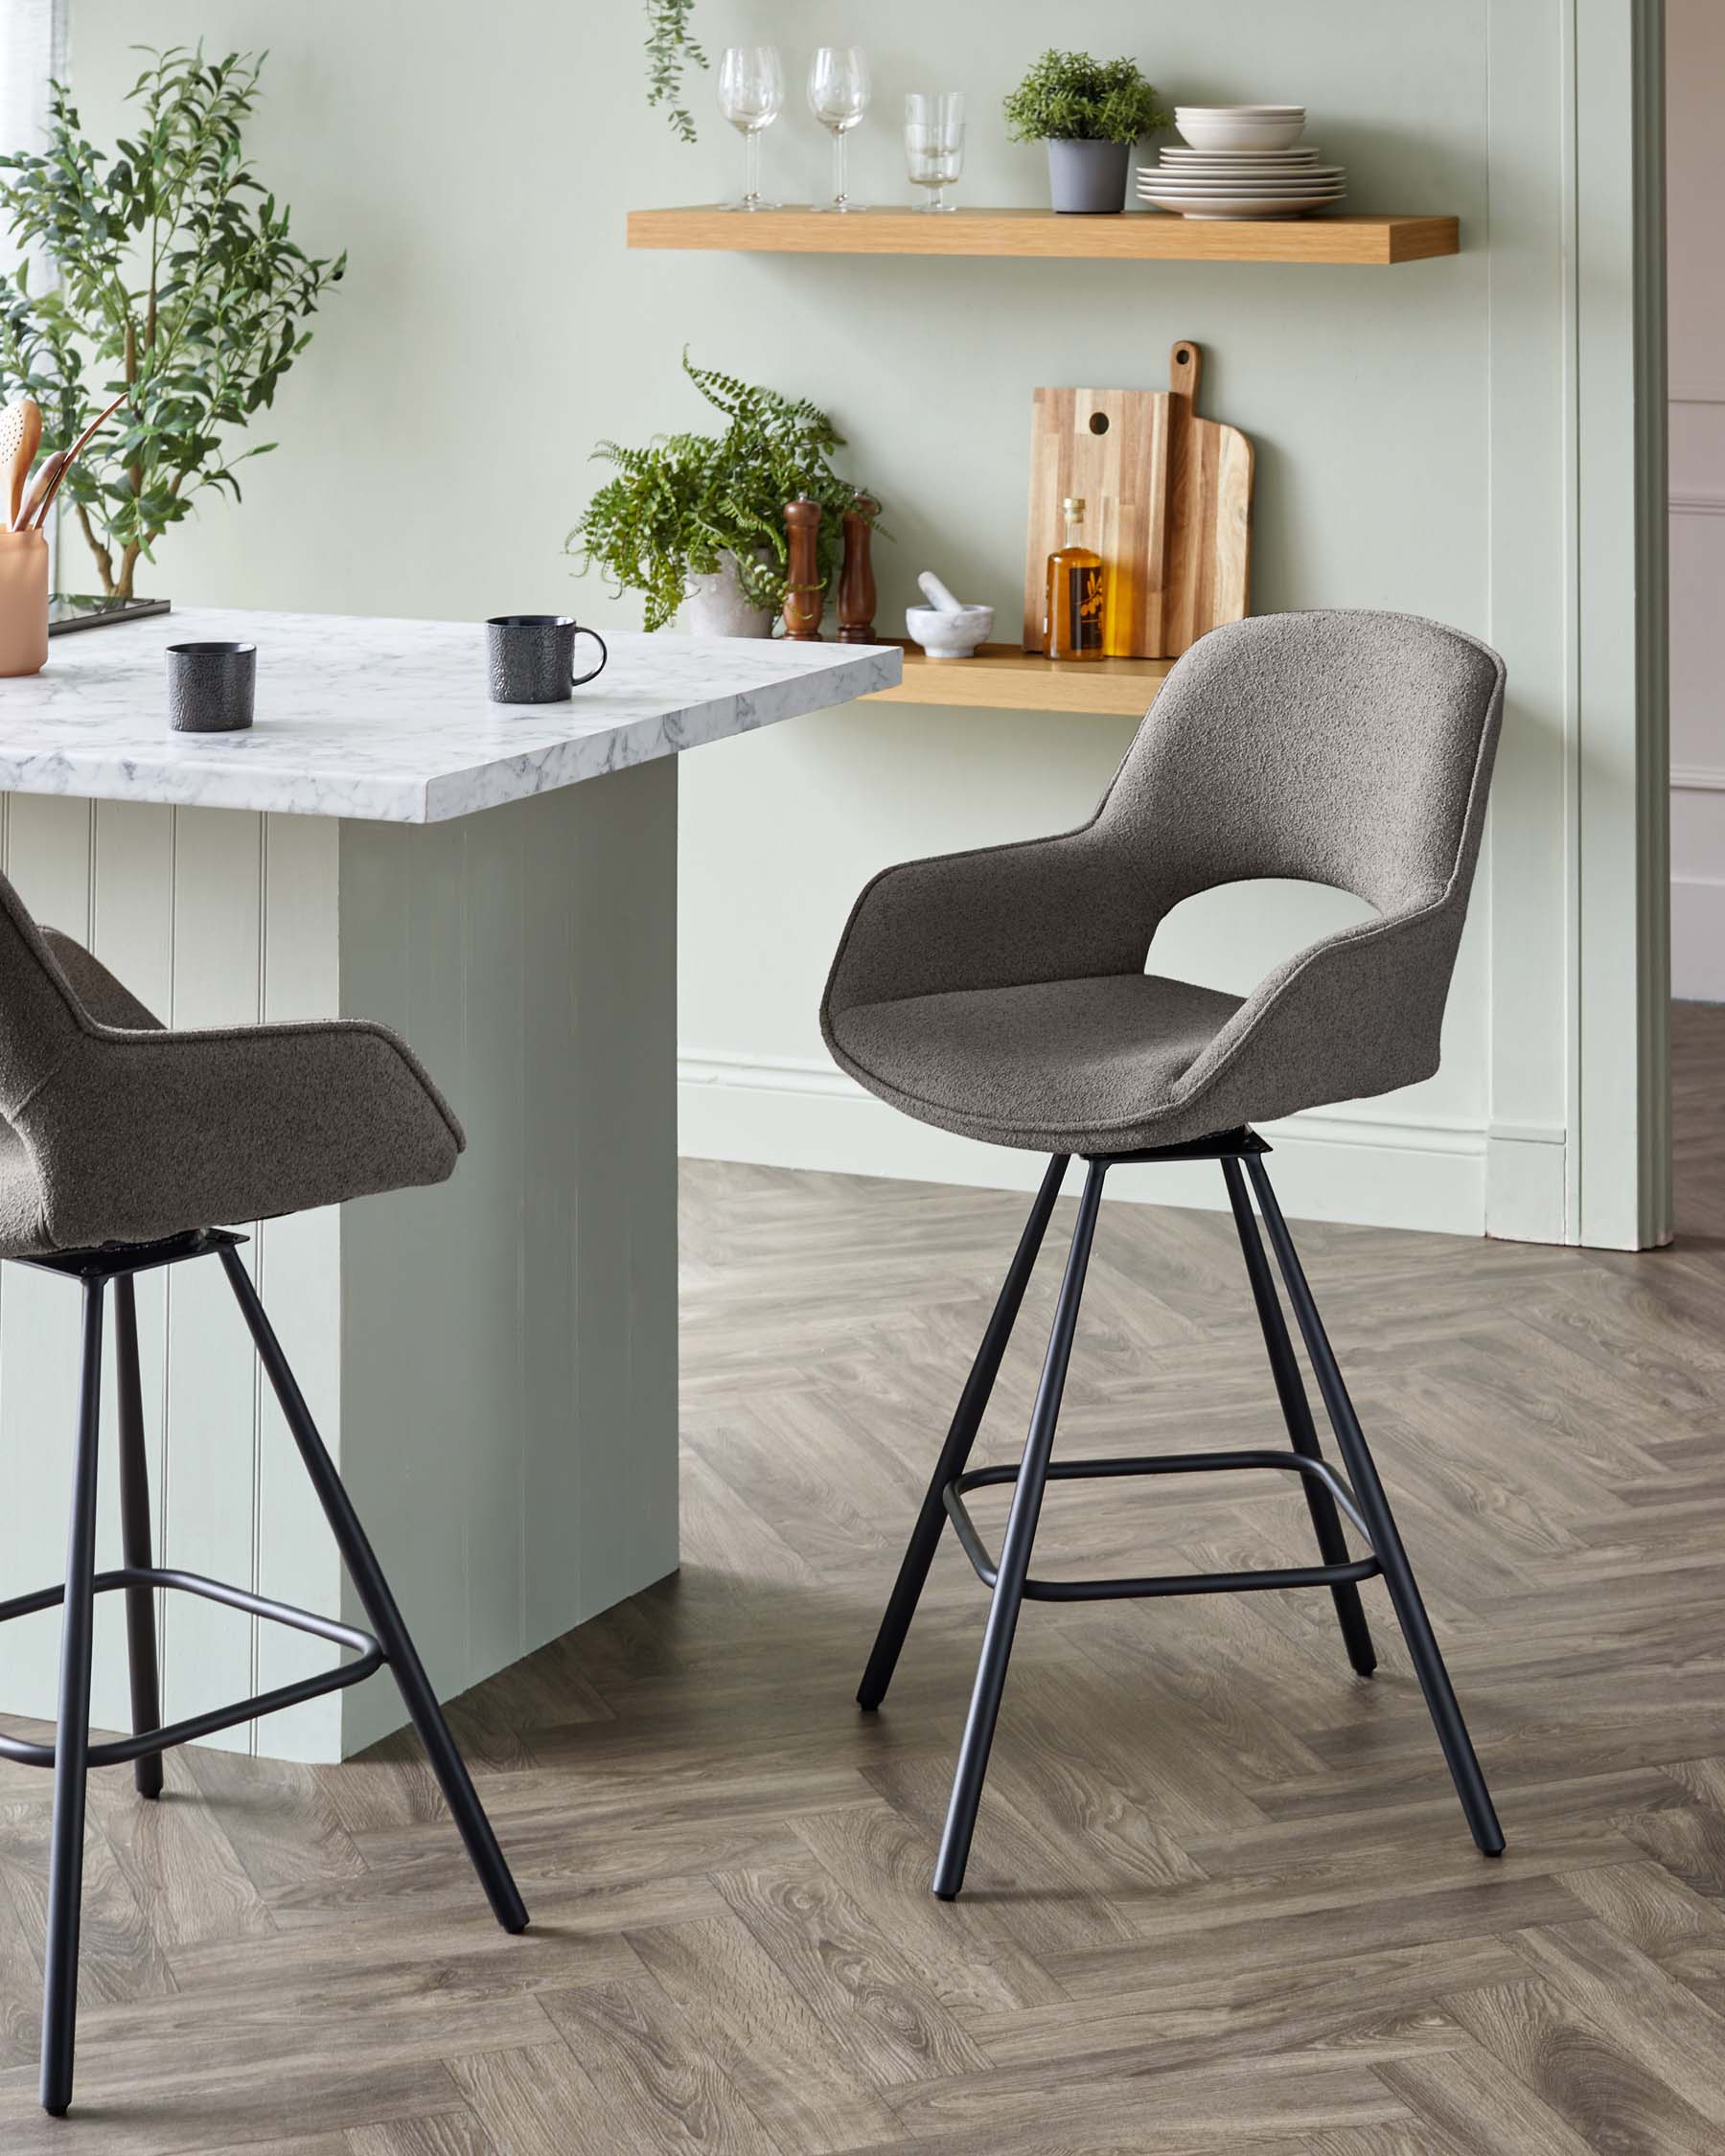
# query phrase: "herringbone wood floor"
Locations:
[[1222, 1898]]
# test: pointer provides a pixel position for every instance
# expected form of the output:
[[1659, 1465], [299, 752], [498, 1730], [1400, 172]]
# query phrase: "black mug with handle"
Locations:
[[530, 659]]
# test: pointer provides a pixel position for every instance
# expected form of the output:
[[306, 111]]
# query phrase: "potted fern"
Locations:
[[696, 522], [1090, 112]]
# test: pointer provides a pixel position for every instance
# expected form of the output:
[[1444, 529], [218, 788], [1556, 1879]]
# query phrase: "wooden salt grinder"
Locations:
[[856, 580], [804, 599]]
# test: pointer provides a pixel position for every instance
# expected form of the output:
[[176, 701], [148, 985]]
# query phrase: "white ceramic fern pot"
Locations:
[[716, 605]]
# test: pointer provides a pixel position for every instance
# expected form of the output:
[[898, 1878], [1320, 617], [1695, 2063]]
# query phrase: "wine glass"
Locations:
[[839, 97], [751, 91], [934, 142]]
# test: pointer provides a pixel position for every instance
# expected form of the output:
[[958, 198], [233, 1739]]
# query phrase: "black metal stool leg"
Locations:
[[1015, 1554], [380, 1610], [1386, 1541], [72, 1738], [1296, 1413], [967, 1420], [134, 1536]]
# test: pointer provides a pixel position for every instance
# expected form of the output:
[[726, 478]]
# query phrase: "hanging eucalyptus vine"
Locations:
[[670, 49]]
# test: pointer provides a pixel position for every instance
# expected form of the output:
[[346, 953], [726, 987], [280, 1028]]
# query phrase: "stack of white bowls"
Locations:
[[1241, 161]]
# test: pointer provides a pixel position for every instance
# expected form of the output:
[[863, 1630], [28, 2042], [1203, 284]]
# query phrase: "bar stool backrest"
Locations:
[[1342, 747], [39, 1019]]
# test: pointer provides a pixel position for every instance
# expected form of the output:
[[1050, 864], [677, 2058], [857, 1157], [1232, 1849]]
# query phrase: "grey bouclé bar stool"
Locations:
[[1003, 995], [123, 1144]]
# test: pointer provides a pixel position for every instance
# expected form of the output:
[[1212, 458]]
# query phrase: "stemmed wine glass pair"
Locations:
[[751, 94]]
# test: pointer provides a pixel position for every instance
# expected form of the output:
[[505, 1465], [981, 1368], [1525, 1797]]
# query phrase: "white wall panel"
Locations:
[[492, 1361]]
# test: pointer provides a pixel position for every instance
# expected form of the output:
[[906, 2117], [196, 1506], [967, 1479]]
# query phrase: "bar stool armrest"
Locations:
[[263, 1069], [95, 989], [232, 1124], [1038, 909], [1357, 1013]]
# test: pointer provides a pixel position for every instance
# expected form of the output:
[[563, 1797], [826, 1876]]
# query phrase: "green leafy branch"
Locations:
[[177, 282], [670, 49]]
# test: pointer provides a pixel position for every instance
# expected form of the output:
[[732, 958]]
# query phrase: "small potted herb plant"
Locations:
[[1090, 112], [696, 522]]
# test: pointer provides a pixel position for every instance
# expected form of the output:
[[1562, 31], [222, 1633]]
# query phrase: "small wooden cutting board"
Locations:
[[1167, 505]]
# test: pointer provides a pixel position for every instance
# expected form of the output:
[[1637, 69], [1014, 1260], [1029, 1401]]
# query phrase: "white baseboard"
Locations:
[[1698, 939], [1347, 1166], [1527, 1179]]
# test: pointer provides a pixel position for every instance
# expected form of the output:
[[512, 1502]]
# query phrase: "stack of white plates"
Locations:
[[1241, 161]]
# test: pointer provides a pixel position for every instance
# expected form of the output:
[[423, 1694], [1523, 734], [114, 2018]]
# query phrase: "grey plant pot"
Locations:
[[714, 605], [1087, 176]]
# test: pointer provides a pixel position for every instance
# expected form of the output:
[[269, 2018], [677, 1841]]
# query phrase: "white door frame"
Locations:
[[1626, 1196], [1579, 1145]]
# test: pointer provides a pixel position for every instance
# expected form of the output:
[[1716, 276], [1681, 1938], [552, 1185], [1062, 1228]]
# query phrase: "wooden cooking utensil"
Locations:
[[30, 441], [1168, 499], [40, 480], [71, 458], [11, 438]]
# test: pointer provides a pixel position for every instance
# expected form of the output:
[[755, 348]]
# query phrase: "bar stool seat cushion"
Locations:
[[1079, 1059], [1003, 993], [118, 1130]]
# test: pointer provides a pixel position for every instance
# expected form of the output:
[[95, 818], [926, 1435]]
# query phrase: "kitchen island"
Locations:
[[493, 1361]]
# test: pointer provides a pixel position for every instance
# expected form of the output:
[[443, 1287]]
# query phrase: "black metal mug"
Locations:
[[530, 659], [210, 687]]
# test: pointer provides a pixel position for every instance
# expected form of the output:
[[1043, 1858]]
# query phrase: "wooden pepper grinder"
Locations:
[[856, 580], [804, 599]]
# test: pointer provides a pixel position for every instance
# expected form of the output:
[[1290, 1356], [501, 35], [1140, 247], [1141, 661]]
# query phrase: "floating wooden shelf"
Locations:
[[1003, 677], [1134, 236]]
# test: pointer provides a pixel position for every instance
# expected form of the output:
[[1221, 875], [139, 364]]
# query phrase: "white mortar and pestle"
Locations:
[[945, 629]]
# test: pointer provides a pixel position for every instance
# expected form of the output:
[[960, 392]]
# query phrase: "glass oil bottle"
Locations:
[[1077, 593]]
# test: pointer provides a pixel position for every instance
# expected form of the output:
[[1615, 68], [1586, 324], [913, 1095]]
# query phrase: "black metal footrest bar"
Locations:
[[1174, 1583], [368, 1652]]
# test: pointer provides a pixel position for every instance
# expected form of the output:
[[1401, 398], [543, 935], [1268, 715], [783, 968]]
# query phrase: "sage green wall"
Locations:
[[477, 163]]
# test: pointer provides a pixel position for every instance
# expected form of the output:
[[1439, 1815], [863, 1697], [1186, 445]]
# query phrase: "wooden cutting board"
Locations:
[[1167, 505]]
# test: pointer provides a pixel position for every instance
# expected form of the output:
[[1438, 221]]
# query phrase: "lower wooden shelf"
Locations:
[[1003, 677]]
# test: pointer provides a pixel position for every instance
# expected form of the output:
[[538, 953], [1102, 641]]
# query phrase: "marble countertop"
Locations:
[[388, 720]]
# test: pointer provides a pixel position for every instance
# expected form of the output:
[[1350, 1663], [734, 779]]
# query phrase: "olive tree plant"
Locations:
[[161, 269]]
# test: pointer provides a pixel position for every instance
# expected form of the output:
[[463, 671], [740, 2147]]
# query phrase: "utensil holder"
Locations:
[[23, 602]]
